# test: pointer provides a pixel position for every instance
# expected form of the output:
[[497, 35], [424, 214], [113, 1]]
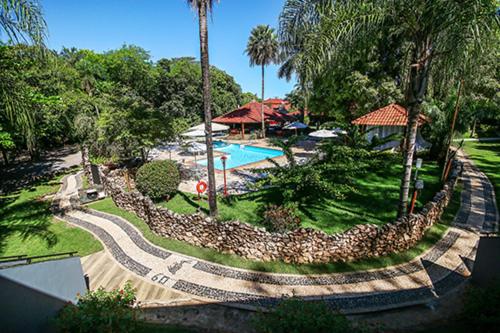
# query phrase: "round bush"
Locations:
[[158, 179]]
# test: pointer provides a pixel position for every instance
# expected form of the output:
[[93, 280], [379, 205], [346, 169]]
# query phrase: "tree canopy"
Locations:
[[120, 103]]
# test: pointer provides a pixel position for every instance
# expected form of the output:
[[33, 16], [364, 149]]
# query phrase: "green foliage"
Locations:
[[286, 146], [118, 103], [481, 311], [22, 21], [262, 46], [158, 179], [331, 174], [281, 218], [297, 316], [101, 311]]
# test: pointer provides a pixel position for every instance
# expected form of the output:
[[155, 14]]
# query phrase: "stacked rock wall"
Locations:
[[302, 245]]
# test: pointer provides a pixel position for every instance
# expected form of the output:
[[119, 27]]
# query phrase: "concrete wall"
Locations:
[[31, 295]]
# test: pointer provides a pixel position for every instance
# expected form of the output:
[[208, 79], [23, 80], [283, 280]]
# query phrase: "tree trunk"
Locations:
[[417, 86], [205, 71], [5, 157], [262, 106]]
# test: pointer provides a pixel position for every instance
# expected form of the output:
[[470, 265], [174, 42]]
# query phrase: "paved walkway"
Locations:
[[424, 279]]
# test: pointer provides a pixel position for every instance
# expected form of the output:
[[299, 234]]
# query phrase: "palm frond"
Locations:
[[22, 21]]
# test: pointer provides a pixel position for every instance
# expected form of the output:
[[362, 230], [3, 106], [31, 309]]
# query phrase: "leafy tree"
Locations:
[[286, 146], [131, 125], [262, 49], [202, 6], [247, 97], [20, 21], [316, 33]]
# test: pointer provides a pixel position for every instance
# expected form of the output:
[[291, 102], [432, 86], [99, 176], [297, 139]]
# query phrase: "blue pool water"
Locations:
[[238, 155]]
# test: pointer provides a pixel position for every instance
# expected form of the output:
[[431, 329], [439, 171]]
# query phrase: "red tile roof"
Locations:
[[250, 113], [276, 103], [390, 115]]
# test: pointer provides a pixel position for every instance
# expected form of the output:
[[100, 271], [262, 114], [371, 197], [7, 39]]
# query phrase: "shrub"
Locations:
[[100, 311], [482, 308], [281, 218], [158, 179], [296, 316]]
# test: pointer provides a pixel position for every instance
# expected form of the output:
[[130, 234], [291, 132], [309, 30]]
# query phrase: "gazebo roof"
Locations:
[[250, 113], [390, 115]]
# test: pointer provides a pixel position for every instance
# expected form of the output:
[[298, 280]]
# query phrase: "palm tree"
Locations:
[[203, 6], [439, 36], [20, 21], [262, 48]]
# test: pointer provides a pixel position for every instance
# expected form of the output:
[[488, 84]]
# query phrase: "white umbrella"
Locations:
[[196, 147], [215, 128], [323, 134], [194, 134]]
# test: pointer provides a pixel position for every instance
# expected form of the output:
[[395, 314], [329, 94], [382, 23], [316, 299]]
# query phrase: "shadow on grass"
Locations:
[[26, 219]]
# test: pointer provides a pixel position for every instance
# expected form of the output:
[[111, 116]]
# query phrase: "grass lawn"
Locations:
[[28, 227], [375, 202], [486, 156], [433, 235]]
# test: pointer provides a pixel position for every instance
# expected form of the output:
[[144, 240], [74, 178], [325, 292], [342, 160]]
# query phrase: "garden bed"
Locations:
[[375, 202]]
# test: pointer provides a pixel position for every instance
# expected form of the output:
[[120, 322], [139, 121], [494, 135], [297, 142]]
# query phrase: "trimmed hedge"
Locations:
[[158, 179]]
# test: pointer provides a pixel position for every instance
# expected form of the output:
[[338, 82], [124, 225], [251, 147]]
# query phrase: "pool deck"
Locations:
[[236, 177]]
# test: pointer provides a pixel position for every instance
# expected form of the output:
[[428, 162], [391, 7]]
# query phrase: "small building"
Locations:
[[389, 120], [248, 118]]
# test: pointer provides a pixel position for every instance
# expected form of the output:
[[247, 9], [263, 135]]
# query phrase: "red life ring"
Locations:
[[201, 186]]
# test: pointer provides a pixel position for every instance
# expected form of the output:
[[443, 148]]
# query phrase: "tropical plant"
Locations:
[[101, 311], [286, 145], [158, 179], [262, 49], [204, 6], [437, 35], [20, 21]]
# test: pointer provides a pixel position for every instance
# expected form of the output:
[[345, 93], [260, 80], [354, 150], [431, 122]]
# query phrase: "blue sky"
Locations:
[[168, 28]]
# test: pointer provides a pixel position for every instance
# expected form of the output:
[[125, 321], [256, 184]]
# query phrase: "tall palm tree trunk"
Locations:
[[262, 106], [205, 70], [417, 85]]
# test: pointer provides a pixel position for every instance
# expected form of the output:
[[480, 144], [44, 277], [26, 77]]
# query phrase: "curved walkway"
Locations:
[[422, 280]]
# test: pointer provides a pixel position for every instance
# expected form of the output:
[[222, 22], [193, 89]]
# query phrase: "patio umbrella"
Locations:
[[215, 128], [323, 134], [194, 134], [296, 125], [195, 148]]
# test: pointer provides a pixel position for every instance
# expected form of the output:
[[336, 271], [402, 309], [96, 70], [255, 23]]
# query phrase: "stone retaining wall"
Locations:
[[302, 245]]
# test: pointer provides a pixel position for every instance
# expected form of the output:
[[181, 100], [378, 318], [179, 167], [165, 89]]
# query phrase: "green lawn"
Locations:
[[28, 227], [433, 235], [375, 202], [486, 156]]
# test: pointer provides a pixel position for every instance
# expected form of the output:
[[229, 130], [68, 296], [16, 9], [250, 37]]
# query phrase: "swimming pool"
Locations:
[[238, 155]]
